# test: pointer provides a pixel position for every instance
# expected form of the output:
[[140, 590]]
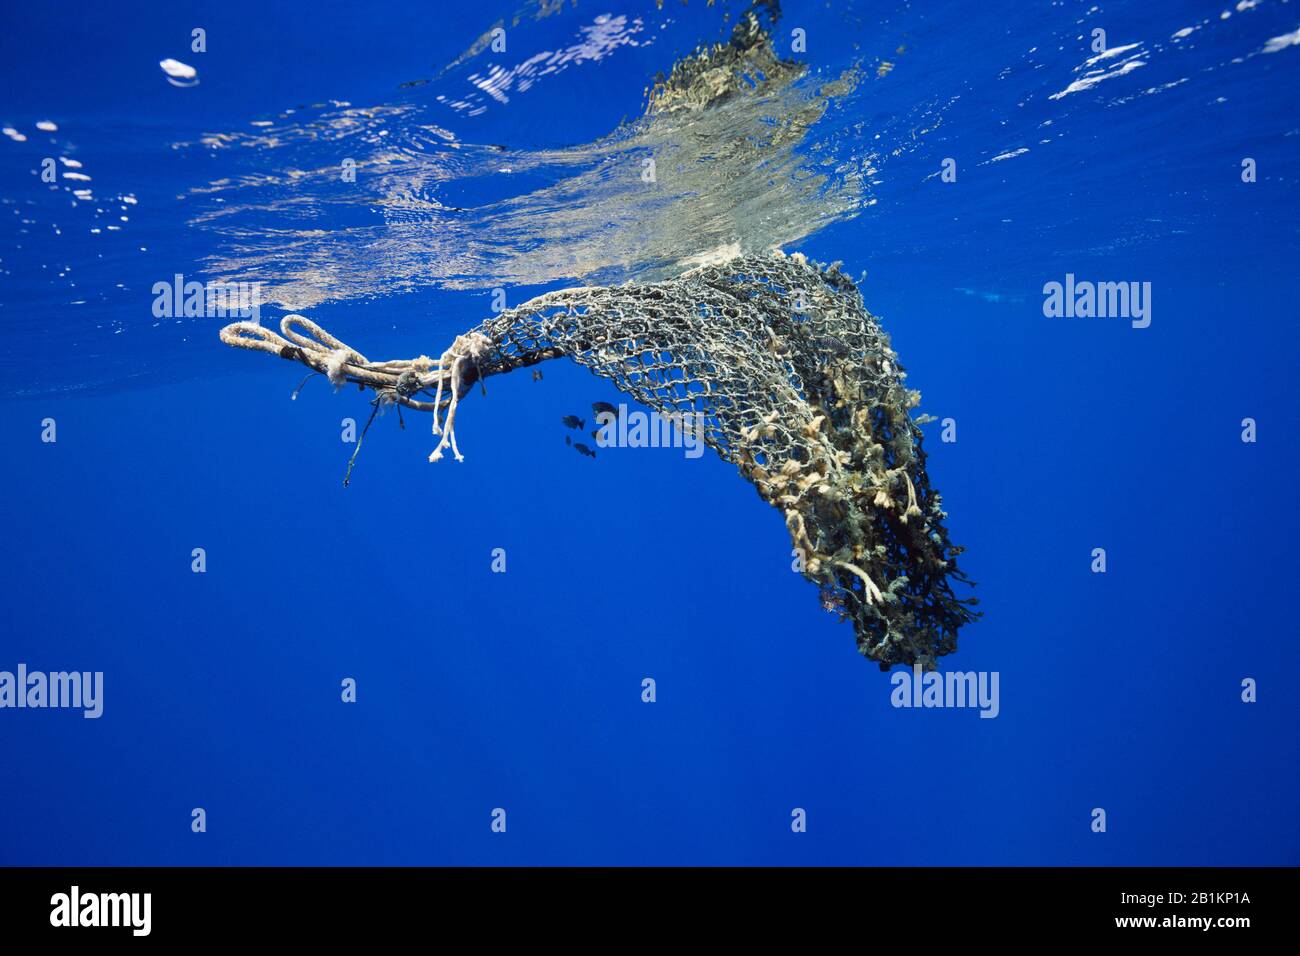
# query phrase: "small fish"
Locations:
[[826, 343], [598, 407], [568, 440], [537, 375], [573, 421], [584, 450], [832, 601]]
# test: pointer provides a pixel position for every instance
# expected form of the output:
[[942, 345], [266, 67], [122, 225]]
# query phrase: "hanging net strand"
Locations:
[[789, 378]]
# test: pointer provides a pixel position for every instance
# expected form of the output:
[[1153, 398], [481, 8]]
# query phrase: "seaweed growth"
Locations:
[[716, 73]]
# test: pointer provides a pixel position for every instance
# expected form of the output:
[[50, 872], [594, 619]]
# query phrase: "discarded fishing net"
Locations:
[[793, 381]]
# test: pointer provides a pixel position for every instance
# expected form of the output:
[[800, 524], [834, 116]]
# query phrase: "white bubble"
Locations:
[[178, 69], [178, 73]]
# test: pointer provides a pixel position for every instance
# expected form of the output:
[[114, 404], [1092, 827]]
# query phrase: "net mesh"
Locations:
[[789, 378]]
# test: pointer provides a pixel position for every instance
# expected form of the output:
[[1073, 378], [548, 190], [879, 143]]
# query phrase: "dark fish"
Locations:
[[598, 407], [573, 421], [829, 345], [537, 375], [584, 450], [568, 440]]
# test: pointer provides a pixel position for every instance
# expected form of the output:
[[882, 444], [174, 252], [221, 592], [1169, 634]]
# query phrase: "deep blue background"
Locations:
[[522, 690]]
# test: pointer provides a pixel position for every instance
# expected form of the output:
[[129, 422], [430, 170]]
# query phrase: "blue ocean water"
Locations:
[[517, 169]]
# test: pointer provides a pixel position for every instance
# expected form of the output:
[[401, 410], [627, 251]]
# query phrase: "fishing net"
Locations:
[[790, 379]]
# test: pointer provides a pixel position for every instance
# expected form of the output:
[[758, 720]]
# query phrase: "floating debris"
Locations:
[[179, 74]]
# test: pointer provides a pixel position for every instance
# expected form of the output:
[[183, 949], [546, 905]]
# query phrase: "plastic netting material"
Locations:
[[791, 380]]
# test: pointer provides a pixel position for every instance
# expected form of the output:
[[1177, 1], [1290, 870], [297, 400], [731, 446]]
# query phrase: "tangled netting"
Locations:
[[792, 380]]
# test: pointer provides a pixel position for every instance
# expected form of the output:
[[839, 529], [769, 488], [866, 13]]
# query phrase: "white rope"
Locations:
[[303, 339], [466, 348]]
